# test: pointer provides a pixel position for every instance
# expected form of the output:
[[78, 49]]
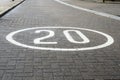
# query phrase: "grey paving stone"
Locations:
[[17, 78], [19, 63], [7, 76], [23, 74], [1, 73]]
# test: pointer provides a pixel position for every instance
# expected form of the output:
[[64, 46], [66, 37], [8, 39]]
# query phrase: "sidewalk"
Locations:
[[6, 5], [108, 7]]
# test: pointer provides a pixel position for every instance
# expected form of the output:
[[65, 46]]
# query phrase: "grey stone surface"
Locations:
[[107, 7], [19, 63]]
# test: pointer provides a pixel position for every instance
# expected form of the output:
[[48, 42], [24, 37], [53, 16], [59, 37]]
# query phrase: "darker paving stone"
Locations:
[[28, 68]]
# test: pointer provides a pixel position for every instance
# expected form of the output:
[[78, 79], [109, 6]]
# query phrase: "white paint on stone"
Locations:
[[69, 37], [109, 41], [38, 40], [90, 11]]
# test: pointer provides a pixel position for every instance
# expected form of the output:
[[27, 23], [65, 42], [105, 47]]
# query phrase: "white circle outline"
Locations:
[[109, 41]]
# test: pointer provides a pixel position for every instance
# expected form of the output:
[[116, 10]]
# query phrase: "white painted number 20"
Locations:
[[66, 33], [72, 35]]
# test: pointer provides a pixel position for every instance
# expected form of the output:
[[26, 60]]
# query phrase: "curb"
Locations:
[[10, 8]]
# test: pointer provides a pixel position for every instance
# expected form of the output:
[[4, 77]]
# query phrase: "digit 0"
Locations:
[[70, 38]]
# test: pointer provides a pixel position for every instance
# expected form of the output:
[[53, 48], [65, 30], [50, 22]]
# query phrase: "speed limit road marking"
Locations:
[[66, 31]]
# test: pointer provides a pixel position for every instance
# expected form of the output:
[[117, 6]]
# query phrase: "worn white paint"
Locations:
[[38, 40], [90, 11], [69, 37]]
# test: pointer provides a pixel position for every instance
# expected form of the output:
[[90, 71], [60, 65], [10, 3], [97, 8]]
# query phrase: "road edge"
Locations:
[[90, 11], [10, 8]]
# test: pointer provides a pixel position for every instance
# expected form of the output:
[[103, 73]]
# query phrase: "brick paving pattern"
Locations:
[[17, 63]]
